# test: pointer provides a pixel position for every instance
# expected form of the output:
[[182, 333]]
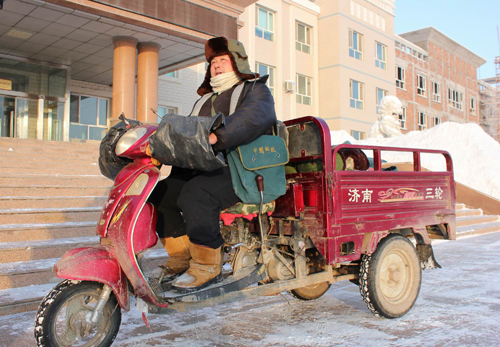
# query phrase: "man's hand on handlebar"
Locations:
[[154, 161]]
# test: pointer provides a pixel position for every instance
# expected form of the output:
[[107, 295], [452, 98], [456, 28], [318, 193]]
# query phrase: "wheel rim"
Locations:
[[72, 324], [396, 277]]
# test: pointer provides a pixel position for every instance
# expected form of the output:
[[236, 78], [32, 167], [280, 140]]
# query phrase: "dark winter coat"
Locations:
[[254, 116]]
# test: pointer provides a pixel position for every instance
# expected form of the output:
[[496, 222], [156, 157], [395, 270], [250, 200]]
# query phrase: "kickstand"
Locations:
[[145, 319]]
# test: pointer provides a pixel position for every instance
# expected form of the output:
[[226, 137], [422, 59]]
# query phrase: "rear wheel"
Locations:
[[315, 263], [390, 278], [63, 318]]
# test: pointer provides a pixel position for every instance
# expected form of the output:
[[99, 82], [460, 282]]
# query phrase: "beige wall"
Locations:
[[337, 68]]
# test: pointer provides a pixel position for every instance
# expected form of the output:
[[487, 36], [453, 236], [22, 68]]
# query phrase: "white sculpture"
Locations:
[[387, 124]]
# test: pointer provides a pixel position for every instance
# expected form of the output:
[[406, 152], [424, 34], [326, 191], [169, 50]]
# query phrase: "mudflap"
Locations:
[[94, 264], [427, 259], [243, 279]]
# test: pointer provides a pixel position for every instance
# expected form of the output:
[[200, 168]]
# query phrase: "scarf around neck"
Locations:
[[223, 82]]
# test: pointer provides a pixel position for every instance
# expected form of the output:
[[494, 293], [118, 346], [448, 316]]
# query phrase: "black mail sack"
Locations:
[[183, 141], [109, 163]]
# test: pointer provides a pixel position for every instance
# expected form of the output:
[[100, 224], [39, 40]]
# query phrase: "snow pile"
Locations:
[[476, 156]]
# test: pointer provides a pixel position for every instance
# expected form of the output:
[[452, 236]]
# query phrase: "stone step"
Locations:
[[55, 179], [55, 145], [475, 220], [14, 202], [36, 272], [41, 153], [459, 206], [11, 252], [49, 215], [49, 231], [23, 299], [478, 229], [468, 212], [12, 168], [40, 162], [52, 190]]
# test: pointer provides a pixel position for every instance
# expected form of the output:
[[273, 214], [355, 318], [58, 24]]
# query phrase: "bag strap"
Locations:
[[235, 97], [197, 107]]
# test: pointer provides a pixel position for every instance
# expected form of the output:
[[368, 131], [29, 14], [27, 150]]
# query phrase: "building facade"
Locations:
[[436, 79], [69, 68]]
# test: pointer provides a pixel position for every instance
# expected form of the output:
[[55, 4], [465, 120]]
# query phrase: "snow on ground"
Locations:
[[475, 154], [459, 305]]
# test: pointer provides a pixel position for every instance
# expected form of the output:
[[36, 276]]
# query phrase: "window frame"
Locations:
[[422, 87], [175, 110], [356, 53], [436, 92], [400, 83], [358, 135], [436, 121], [270, 81], [422, 125], [381, 62], [299, 45], [402, 119], [98, 108], [384, 93], [260, 30], [472, 105], [455, 99], [299, 98], [360, 91]]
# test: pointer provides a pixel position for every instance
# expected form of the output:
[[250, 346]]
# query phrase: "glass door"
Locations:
[[7, 119], [26, 118]]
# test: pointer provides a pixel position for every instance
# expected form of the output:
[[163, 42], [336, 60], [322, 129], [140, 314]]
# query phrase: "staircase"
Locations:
[[51, 195]]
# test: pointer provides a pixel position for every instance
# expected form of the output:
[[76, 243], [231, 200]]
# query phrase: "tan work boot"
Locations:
[[178, 257], [204, 269]]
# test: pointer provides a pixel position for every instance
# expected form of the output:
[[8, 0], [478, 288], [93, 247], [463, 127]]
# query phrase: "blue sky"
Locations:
[[473, 24]]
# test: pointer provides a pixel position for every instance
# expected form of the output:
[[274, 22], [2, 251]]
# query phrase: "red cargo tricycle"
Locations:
[[345, 216]]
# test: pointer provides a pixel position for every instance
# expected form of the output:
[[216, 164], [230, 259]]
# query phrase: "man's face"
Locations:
[[220, 65]]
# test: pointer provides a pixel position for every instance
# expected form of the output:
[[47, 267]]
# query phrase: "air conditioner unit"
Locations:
[[289, 86]]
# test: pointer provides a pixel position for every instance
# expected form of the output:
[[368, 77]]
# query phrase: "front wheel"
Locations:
[[390, 278], [63, 318]]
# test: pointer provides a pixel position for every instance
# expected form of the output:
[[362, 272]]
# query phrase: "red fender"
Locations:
[[95, 264]]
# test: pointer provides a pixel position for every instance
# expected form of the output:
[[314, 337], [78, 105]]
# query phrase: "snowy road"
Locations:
[[459, 305]]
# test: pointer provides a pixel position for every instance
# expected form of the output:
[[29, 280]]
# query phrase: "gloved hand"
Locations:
[[155, 162]]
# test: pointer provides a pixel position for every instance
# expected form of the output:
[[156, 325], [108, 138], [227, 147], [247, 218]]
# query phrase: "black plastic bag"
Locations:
[[109, 163], [183, 142]]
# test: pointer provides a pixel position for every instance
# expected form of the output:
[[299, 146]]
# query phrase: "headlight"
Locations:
[[129, 139]]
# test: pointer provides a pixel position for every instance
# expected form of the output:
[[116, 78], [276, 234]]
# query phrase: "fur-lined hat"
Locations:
[[221, 46]]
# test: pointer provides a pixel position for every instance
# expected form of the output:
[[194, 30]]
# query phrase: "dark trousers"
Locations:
[[200, 198]]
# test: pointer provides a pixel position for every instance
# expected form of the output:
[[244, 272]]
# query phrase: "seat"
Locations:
[[247, 211]]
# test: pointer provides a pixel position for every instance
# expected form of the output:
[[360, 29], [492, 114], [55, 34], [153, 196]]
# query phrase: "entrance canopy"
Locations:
[[80, 33]]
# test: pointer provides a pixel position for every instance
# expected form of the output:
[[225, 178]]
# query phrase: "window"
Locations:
[[422, 121], [400, 77], [380, 94], [355, 45], [265, 24], [303, 38], [436, 92], [436, 121], [380, 55], [357, 94], [358, 135], [266, 70], [472, 105], [88, 117], [402, 119], [173, 74], [455, 98], [421, 85], [163, 110], [304, 85]]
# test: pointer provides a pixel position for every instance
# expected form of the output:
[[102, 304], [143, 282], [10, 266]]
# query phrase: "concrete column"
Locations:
[[147, 81], [123, 77]]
